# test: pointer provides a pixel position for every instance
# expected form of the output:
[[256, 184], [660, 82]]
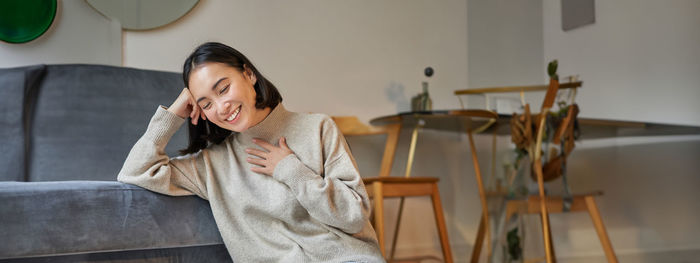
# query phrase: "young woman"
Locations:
[[283, 186]]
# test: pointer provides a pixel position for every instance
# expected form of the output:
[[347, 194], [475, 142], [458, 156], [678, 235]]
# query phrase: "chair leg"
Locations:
[[547, 236], [546, 232], [396, 230], [482, 193], [479, 241], [379, 214], [552, 251], [600, 228], [440, 221]]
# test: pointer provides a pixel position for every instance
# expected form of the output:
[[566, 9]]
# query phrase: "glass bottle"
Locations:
[[426, 101]]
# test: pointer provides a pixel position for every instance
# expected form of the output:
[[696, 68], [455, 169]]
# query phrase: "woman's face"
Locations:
[[226, 96]]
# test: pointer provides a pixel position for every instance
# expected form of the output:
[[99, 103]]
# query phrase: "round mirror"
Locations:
[[143, 14]]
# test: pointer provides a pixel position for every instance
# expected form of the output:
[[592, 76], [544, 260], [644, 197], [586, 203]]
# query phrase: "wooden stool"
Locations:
[[385, 186], [469, 121]]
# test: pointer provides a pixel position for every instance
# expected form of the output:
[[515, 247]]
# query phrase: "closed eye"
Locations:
[[206, 106], [224, 90]]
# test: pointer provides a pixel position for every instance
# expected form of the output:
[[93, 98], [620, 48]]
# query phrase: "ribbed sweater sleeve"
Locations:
[[149, 167], [336, 197]]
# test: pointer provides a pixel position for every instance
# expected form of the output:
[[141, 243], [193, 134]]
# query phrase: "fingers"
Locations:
[[191, 103], [283, 143], [196, 112], [259, 170], [256, 161], [256, 152], [260, 167], [182, 106], [264, 144], [267, 158], [194, 115]]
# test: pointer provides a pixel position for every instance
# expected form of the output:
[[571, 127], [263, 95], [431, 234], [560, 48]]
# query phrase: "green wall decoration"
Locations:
[[22, 21]]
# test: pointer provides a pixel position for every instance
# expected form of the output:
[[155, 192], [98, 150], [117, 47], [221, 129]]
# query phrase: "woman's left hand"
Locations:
[[266, 160]]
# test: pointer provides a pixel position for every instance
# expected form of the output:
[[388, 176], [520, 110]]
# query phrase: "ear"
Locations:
[[249, 74]]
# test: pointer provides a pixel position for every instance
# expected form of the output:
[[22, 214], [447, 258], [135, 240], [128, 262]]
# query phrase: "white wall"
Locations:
[[340, 57], [650, 201], [505, 48], [77, 35], [505, 43], [639, 61]]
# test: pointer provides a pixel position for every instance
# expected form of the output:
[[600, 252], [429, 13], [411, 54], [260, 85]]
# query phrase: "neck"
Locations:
[[260, 115], [267, 122]]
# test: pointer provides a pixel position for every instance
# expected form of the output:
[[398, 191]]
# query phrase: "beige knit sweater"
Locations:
[[313, 209]]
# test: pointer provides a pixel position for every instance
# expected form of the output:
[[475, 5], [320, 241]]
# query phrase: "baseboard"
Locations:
[[462, 253], [666, 256]]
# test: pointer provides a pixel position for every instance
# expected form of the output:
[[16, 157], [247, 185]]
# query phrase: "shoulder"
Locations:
[[318, 125], [312, 120]]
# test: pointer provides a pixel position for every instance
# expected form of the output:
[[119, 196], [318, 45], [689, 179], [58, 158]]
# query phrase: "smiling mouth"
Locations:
[[234, 115]]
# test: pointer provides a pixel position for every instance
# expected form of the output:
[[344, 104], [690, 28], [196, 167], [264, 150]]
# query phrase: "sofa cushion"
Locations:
[[57, 218], [88, 117], [14, 116], [197, 254]]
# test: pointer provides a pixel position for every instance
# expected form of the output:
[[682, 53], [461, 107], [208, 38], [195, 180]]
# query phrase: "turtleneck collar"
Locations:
[[267, 127]]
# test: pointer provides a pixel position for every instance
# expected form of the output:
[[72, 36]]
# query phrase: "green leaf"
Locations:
[[552, 69]]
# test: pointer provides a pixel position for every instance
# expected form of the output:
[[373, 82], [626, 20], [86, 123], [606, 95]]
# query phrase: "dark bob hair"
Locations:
[[267, 95]]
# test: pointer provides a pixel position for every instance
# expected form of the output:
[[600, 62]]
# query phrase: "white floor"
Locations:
[[680, 256]]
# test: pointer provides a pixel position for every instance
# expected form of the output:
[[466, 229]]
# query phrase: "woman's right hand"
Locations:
[[185, 105]]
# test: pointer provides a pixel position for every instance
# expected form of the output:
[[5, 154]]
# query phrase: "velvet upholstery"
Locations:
[[95, 113], [17, 88], [69, 217], [199, 254], [65, 131]]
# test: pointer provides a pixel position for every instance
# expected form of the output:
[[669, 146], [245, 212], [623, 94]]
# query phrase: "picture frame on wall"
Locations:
[[577, 13]]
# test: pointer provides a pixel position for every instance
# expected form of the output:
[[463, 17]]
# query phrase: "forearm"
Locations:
[[148, 166], [337, 199]]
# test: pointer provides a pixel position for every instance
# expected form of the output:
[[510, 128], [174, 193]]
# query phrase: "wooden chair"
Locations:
[[542, 204], [384, 186]]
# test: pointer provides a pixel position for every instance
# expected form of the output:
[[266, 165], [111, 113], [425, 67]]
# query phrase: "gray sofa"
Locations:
[[65, 131]]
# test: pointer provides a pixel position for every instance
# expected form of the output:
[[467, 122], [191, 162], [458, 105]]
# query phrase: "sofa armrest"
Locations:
[[67, 217]]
